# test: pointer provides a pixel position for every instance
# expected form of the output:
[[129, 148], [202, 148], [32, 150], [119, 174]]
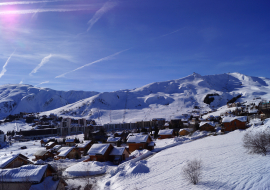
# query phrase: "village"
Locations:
[[62, 143]]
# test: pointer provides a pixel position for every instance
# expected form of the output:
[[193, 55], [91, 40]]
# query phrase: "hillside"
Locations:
[[226, 165], [168, 99], [26, 98]]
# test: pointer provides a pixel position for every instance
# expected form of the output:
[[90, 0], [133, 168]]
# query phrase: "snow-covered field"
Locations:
[[226, 165], [14, 125]]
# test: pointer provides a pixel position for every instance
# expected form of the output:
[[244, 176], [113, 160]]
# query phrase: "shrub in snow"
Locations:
[[257, 143], [192, 171]]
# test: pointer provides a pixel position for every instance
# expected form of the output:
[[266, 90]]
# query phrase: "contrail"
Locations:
[[42, 83], [30, 11], [43, 61], [28, 2], [4, 67], [106, 7], [97, 61]]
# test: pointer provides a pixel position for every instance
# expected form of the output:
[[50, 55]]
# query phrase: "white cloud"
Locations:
[[43, 61], [21, 82], [97, 61], [4, 67], [106, 7]]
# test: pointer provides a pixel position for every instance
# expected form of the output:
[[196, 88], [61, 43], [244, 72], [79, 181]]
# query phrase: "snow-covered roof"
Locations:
[[117, 151], [252, 111], [138, 139], [98, 149], [40, 152], [165, 132], [166, 124], [5, 160], [84, 144], [64, 151], [49, 143], [213, 124], [113, 139], [239, 118], [56, 147], [26, 173], [70, 140], [186, 129], [119, 133]]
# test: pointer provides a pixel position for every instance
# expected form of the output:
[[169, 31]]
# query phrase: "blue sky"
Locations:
[[98, 45]]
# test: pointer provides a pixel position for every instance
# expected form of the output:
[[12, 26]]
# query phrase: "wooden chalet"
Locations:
[[31, 177], [50, 145], [185, 131], [208, 126], [43, 155], [139, 142], [232, 123], [114, 140], [100, 152], [166, 133], [118, 154], [13, 161], [84, 147], [68, 152], [70, 142]]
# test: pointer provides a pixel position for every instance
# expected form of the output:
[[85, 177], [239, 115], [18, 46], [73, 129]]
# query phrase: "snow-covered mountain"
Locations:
[[26, 98], [168, 99]]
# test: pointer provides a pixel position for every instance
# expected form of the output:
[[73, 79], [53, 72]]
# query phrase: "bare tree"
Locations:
[[257, 143], [192, 171]]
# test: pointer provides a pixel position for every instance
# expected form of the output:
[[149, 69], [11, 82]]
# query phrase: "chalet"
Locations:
[[56, 148], [166, 126], [100, 152], [26, 176], [118, 134], [207, 126], [13, 161], [68, 152], [50, 145], [264, 114], [114, 140], [84, 147], [139, 142], [70, 142], [232, 123], [185, 131], [166, 133], [43, 155], [118, 154]]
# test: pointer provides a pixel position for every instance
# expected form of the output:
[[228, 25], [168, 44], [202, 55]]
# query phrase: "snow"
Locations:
[[85, 169], [113, 139], [40, 152], [239, 118], [186, 129], [226, 165], [138, 139], [117, 151], [98, 149], [208, 122], [64, 151], [48, 183], [83, 145], [5, 160], [49, 144], [14, 125], [16, 98], [70, 140], [165, 132], [56, 147], [25, 173]]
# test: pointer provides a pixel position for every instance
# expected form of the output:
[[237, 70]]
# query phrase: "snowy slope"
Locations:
[[226, 165], [26, 98], [167, 99]]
